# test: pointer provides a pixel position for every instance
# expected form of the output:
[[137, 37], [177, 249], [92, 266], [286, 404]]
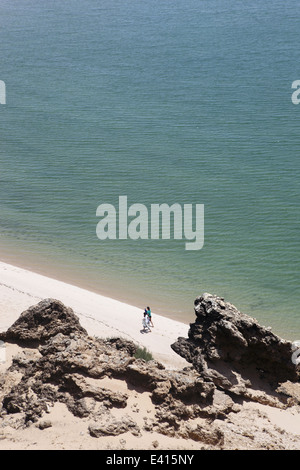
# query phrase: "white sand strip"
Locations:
[[99, 315]]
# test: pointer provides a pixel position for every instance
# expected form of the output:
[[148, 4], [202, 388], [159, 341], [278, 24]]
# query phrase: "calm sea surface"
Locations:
[[165, 102]]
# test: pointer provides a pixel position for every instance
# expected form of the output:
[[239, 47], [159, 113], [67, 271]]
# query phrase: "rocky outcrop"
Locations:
[[42, 321], [61, 363], [233, 351]]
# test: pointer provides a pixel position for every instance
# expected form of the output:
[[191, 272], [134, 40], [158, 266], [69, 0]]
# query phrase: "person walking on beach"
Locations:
[[146, 322], [150, 316]]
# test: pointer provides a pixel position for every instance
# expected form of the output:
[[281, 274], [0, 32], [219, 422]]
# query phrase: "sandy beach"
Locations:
[[100, 316]]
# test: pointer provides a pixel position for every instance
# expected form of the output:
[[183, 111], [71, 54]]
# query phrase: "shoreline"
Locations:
[[100, 315], [66, 271]]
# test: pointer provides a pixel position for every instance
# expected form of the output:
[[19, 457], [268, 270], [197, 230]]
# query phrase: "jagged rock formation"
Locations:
[[62, 363], [43, 321], [233, 351]]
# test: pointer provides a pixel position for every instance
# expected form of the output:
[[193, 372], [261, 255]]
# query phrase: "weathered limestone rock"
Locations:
[[222, 334], [42, 321], [45, 424], [210, 435], [80, 388], [110, 426]]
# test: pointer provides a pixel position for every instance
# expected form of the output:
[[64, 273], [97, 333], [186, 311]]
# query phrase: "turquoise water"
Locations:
[[186, 102]]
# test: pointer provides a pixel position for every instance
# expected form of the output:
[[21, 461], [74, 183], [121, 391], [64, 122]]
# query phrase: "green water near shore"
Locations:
[[163, 102]]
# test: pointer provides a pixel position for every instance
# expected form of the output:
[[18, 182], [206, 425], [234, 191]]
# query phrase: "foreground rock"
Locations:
[[61, 363], [43, 321], [233, 351]]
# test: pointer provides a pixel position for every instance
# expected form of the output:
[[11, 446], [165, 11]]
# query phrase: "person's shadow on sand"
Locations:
[[144, 330]]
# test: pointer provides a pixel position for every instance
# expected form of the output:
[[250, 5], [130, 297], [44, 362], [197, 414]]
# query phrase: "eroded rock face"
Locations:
[[64, 364], [223, 335], [108, 426], [42, 321]]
